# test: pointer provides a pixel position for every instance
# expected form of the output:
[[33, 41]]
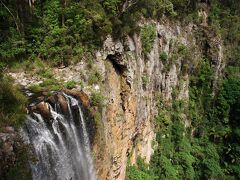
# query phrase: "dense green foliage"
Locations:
[[12, 103], [209, 148], [64, 31], [224, 19], [139, 172], [70, 84], [148, 34], [14, 162], [97, 99], [163, 56]]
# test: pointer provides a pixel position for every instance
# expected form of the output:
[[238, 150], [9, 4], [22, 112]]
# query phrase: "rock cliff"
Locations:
[[132, 84]]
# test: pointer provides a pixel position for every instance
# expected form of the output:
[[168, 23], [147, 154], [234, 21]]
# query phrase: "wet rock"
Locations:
[[13, 152], [79, 94], [8, 129], [63, 103], [41, 98], [7, 139], [52, 99], [43, 109]]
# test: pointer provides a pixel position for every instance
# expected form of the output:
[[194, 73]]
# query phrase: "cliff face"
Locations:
[[133, 84], [14, 155]]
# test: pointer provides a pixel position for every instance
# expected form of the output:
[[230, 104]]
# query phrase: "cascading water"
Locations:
[[61, 146]]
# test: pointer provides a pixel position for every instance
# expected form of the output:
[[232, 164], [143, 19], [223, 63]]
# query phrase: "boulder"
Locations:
[[40, 98], [52, 99], [63, 103], [83, 97], [43, 109]]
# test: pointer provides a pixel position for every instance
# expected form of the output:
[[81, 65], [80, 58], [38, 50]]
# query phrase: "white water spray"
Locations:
[[62, 146]]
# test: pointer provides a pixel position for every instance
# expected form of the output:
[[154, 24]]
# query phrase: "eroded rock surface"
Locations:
[[132, 85]]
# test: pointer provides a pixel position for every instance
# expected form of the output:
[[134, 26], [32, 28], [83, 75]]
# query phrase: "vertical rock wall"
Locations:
[[132, 84]]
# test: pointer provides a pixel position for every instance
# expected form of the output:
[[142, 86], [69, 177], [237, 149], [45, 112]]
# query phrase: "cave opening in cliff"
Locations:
[[114, 59]]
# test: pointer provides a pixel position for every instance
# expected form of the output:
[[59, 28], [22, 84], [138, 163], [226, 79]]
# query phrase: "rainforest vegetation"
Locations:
[[61, 32], [209, 150]]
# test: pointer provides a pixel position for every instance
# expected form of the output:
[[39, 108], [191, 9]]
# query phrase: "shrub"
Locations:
[[70, 84], [97, 99], [140, 171], [164, 56], [133, 173], [148, 34], [95, 77], [12, 103], [81, 83], [35, 88], [47, 82], [50, 84], [144, 81], [54, 87], [45, 73]]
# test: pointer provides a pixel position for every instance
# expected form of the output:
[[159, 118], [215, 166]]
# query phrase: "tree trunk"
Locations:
[[15, 20], [64, 4]]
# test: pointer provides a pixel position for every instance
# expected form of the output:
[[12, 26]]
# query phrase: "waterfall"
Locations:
[[61, 145]]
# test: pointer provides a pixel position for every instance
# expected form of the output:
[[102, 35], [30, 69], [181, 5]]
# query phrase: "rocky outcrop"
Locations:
[[13, 154], [133, 84], [43, 109], [24, 79], [7, 155], [42, 106], [82, 96], [62, 102]]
